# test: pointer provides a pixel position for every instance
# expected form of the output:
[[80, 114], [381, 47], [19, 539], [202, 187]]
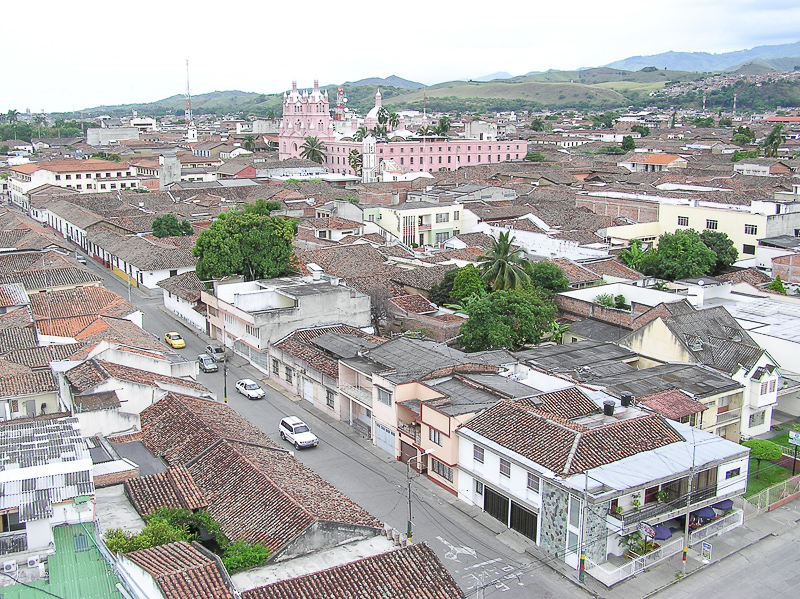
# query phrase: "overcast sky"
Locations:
[[62, 56]]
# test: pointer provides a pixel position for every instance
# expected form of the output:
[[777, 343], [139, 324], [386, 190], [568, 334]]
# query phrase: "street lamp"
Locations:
[[409, 533]]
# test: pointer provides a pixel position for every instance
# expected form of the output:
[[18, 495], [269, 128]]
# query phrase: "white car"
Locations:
[[296, 431], [250, 389]]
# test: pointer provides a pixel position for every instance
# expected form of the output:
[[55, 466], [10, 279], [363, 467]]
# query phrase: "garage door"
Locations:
[[384, 438], [407, 451], [523, 520], [308, 390], [495, 505]]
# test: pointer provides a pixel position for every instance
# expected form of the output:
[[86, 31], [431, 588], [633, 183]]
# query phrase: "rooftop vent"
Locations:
[[608, 407], [626, 399]]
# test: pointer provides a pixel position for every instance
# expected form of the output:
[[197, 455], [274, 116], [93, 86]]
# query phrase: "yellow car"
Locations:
[[175, 340]]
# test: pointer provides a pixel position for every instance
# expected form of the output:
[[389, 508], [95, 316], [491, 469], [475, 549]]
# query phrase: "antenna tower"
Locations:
[[188, 113]]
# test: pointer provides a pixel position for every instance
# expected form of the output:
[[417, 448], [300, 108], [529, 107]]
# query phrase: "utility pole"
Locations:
[[225, 358], [582, 572], [409, 532]]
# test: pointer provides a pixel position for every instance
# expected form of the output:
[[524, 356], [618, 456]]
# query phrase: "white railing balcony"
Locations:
[[610, 576], [361, 394], [729, 416], [717, 527], [13, 542]]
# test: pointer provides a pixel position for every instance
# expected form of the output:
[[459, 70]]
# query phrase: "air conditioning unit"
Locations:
[[10, 566], [33, 561]]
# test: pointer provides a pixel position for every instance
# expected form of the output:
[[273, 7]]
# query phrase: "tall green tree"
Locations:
[[262, 207], [547, 276], [440, 292], [467, 282], [507, 319], [633, 255], [247, 244], [503, 267], [313, 149], [393, 121], [360, 133], [356, 161], [628, 144], [722, 245], [383, 116], [772, 142], [537, 124], [168, 226], [777, 285], [604, 121], [641, 130], [743, 136], [249, 143]]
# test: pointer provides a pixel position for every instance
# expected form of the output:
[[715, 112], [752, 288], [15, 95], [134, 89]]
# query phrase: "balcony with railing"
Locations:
[[361, 394], [664, 510], [13, 542], [412, 429], [728, 416]]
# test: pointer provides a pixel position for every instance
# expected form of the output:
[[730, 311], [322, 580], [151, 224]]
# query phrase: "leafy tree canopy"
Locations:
[[262, 207], [507, 319], [467, 281], [107, 156], [703, 122], [761, 449], [722, 245], [627, 143], [641, 130], [440, 293], [680, 255], [536, 157], [248, 244], [503, 267], [547, 276], [168, 226]]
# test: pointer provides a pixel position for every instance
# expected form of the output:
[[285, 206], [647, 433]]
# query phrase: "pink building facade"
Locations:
[[307, 113]]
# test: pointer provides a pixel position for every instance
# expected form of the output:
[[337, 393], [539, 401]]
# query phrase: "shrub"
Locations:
[[240, 555], [605, 299]]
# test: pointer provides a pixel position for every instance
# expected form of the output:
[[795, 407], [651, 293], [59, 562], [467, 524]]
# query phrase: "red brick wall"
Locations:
[[246, 173], [658, 311], [591, 310], [787, 267], [641, 211], [106, 480]]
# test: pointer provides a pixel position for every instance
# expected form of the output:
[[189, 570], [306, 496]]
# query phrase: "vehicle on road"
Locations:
[[296, 432], [249, 388], [174, 340], [216, 351], [207, 363]]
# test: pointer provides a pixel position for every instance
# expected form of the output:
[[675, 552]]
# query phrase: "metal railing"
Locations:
[[13, 542], [651, 510], [729, 416], [610, 577], [411, 430], [766, 499], [717, 527]]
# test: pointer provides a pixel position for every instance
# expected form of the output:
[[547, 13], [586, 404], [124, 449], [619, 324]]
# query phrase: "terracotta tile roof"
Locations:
[[415, 303], [467, 254], [144, 254], [71, 166], [18, 384], [747, 275], [419, 278], [476, 240], [12, 295], [52, 278], [186, 286], [673, 404], [611, 267], [96, 301], [663, 159], [15, 336], [91, 373], [330, 222], [183, 571], [567, 403], [263, 494], [116, 330], [179, 427], [174, 488], [40, 357], [413, 572], [94, 402], [565, 447], [575, 273]]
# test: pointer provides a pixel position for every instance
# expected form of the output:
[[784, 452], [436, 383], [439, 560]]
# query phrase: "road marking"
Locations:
[[482, 564], [454, 551]]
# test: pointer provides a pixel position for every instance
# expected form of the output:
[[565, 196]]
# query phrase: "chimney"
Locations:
[[608, 407], [626, 398]]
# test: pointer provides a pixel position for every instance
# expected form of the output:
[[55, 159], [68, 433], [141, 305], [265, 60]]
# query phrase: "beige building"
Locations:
[[424, 223], [745, 225]]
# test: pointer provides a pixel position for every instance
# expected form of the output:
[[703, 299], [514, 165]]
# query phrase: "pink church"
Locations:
[[307, 114]]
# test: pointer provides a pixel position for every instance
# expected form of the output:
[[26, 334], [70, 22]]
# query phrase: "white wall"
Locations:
[[184, 310], [542, 245]]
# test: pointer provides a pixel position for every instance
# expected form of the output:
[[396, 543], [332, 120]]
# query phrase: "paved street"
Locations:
[[474, 547]]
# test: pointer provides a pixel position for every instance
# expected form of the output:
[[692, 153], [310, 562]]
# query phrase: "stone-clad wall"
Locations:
[[555, 510], [596, 537]]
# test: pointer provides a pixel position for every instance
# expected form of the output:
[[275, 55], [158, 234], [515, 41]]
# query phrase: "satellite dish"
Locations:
[[701, 282]]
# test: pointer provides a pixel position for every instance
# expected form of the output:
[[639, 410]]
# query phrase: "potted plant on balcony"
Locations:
[[636, 503], [617, 509], [637, 545], [662, 496]]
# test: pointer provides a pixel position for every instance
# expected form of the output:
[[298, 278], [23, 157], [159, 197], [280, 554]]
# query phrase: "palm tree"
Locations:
[[380, 131], [383, 116], [394, 120], [360, 133], [503, 267], [773, 141], [39, 120], [557, 331], [422, 131], [313, 149], [633, 255], [356, 160], [12, 115], [249, 143], [444, 125]]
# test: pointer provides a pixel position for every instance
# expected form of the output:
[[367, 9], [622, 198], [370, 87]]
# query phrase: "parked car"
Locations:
[[296, 431], [174, 340], [250, 389], [216, 351], [207, 363]]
